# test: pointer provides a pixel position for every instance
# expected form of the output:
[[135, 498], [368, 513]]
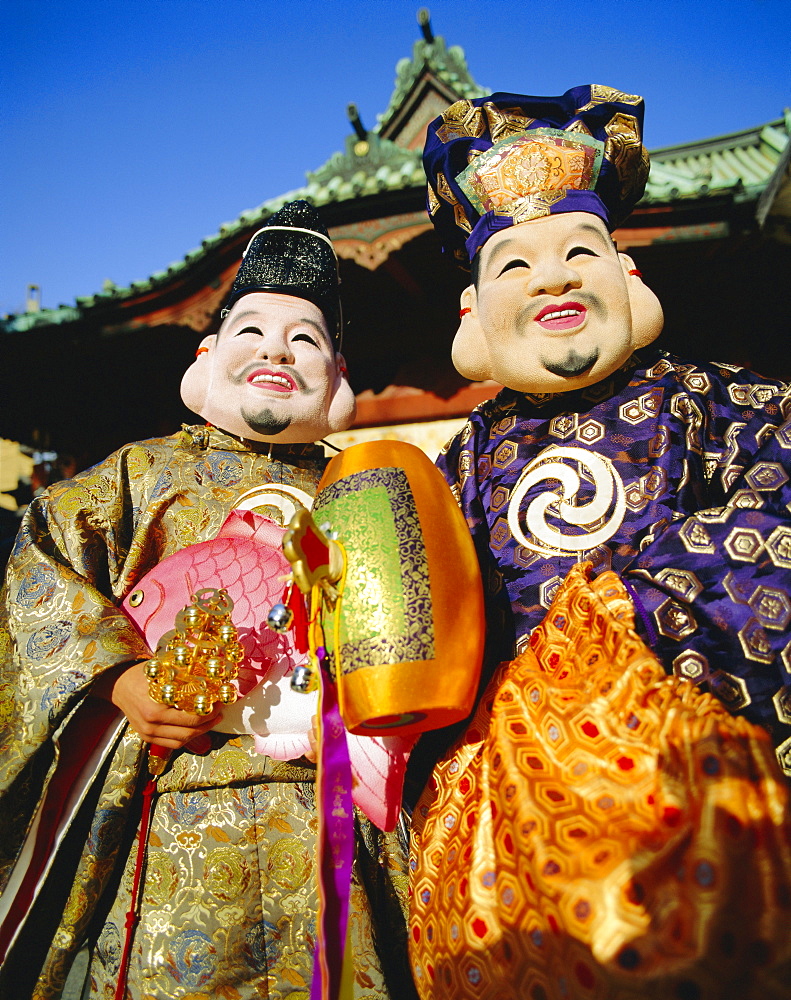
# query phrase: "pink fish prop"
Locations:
[[247, 560]]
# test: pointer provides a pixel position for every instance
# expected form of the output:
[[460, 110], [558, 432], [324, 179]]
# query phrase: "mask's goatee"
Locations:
[[573, 364], [265, 422]]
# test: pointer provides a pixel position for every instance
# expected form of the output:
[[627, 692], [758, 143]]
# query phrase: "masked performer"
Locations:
[[228, 898], [602, 446], [670, 480]]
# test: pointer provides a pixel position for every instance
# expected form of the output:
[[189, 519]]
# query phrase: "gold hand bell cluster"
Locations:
[[196, 661]]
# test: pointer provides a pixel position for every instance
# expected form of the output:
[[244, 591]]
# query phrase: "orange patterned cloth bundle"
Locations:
[[601, 831]]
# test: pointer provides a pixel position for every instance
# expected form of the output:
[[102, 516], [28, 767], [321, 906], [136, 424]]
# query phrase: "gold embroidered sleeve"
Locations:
[[60, 624]]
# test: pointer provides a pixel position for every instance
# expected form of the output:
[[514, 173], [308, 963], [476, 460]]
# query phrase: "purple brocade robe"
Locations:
[[675, 475]]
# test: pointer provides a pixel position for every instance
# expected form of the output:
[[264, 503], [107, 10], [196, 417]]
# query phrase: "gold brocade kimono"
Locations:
[[229, 898]]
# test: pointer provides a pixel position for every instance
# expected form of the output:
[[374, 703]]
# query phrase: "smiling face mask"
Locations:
[[555, 307], [274, 372], [271, 373]]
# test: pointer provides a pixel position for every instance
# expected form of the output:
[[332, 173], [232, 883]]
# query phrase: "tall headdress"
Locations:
[[497, 161], [292, 254]]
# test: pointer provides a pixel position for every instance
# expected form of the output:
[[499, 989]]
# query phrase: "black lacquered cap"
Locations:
[[292, 254]]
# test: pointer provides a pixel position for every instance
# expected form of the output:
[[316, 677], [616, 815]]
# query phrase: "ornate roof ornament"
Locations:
[[430, 57]]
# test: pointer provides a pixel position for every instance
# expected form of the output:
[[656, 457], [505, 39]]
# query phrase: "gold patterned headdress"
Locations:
[[498, 161]]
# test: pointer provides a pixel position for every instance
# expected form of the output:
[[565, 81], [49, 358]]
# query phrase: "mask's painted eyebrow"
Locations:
[[316, 326], [304, 321], [252, 314], [503, 249], [243, 317], [510, 247], [587, 227]]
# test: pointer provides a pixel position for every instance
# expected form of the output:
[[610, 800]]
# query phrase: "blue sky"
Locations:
[[131, 129]]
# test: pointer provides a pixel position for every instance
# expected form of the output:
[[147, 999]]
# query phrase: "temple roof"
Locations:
[[387, 161], [425, 85], [741, 162]]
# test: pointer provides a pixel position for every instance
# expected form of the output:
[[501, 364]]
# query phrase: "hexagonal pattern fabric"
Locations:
[[601, 830]]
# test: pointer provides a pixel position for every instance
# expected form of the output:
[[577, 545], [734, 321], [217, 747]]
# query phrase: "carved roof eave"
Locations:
[[774, 206], [345, 177], [404, 177], [740, 164]]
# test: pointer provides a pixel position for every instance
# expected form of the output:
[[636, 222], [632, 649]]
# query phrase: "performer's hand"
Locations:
[[313, 754], [127, 688]]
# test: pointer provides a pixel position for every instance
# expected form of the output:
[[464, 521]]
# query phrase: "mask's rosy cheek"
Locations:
[[342, 407], [195, 383]]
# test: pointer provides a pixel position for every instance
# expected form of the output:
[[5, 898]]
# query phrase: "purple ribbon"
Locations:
[[336, 844], [650, 631]]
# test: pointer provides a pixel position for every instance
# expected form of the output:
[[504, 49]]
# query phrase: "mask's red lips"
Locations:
[[562, 316], [268, 379]]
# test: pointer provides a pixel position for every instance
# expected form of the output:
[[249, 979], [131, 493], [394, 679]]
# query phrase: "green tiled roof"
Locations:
[[741, 163], [383, 166], [447, 64], [366, 167], [43, 317]]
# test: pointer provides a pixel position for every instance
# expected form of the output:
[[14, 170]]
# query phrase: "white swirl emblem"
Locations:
[[605, 510]]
